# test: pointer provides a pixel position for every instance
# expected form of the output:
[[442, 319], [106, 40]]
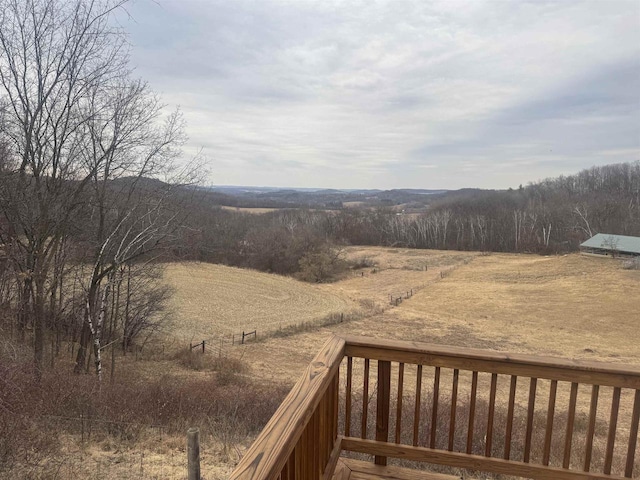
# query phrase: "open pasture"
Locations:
[[395, 271], [214, 300], [569, 306], [252, 210]]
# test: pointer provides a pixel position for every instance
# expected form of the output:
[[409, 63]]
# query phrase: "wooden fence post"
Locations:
[[193, 453]]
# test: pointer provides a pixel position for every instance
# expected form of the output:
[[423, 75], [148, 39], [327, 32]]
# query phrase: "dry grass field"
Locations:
[[570, 306], [395, 272], [213, 301], [255, 210]]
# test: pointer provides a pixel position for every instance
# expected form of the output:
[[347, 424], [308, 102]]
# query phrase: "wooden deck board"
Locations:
[[349, 469]]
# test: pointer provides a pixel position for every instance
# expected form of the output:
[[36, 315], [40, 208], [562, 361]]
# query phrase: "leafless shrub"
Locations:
[[32, 414], [362, 262], [194, 360], [632, 264]]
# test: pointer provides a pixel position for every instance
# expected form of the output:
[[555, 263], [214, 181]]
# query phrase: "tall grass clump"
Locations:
[[227, 407]]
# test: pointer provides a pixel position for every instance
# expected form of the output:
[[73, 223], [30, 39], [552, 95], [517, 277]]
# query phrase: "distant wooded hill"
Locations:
[[553, 215]]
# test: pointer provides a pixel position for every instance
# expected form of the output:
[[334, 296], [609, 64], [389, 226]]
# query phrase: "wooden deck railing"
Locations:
[[517, 415], [300, 440]]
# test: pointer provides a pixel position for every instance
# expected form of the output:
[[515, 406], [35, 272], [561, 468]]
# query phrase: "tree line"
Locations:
[[550, 216], [89, 176]]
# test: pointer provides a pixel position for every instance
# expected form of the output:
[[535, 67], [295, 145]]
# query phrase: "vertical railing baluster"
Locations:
[[530, 413], [549, 428], [416, 412], [382, 406], [434, 410], [613, 423], [347, 398], [492, 410], [304, 460], [315, 435], [510, 411], [571, 416], [593, 411], [399, 402], [323, 414], [323, 422], [472, 410], [297, 461], [365, 399], [633, 435], [291, 466], [454, 401], [336, 409]]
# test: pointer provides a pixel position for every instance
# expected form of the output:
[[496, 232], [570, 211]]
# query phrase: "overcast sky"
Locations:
[[396, 94]]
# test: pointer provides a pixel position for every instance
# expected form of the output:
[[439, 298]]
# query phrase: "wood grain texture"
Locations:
[[269, 453], [364, 470], [473, 462]]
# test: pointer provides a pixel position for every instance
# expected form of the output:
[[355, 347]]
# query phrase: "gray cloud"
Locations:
[[401, 93]]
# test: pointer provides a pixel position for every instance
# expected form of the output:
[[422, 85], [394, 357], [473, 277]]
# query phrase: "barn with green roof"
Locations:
[[614, 245]]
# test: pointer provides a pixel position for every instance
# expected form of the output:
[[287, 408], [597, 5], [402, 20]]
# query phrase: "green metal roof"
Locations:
[[619, 243]]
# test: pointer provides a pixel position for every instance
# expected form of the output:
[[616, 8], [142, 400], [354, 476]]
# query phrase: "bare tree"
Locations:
[[128, 213], [52, 55]]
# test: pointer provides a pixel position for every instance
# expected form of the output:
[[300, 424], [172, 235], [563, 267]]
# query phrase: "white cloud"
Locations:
[[363, 94]]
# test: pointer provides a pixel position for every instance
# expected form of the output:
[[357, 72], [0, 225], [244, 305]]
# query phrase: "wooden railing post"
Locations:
[[193, 453], [382, 408]]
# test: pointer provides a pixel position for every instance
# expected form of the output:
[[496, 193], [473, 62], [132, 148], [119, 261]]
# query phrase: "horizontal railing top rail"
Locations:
[[578, 371], [269, 455]]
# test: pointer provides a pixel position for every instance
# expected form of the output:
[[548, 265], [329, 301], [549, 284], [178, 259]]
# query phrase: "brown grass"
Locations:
[[571, 306], [213, 300], [397, 271], [67, 426]]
